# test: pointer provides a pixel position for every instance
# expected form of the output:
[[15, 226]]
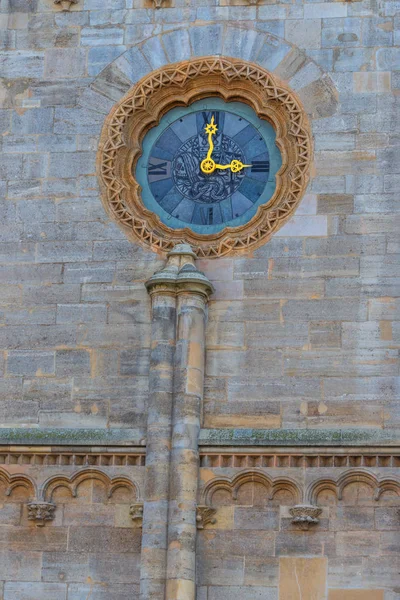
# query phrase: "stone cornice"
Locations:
[[299, 437]]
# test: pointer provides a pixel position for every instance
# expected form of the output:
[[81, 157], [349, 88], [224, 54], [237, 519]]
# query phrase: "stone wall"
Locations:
[[302, 333], [87, 544], [252, 549]]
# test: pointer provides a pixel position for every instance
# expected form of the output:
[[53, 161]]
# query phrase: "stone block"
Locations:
[[384, 309], [305, 226], [36, 120], [21, 64], [50, 293], [273, 52], [81, 313], [154, 53], [356, 543], [72, 363], [71, 121], [346, 245], [302, 577], [280, 288], [209, 36], [177, 45], [89, 272], [335, 204], [64, 251], [372, 224], [120, 540], [18, 566], [325, 334], [70, 566], [261, 571], [71, 164], [380, 266], [220, 570], [279, 388], [79, 591], [33, 591], [356, 594], [387, 59], [240, 592], [285, 335], [314, 267], [325, 10], [371, 82], [115, 567], [38, 273], [335, 363], [304, 33], [47, 539], [232, 362], [242, 43], [295, 543], [30, 363]]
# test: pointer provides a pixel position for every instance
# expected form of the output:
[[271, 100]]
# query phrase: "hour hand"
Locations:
[[235, 166]]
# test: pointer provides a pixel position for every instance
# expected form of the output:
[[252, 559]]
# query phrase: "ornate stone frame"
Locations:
[[181, 84]]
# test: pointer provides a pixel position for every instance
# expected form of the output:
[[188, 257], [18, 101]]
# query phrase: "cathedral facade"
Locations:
[[200, 314]]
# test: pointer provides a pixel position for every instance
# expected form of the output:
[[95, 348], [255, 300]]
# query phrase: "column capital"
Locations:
[[180, 275]]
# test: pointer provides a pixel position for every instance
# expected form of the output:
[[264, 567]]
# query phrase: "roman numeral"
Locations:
[[260, 166], [158, 169], [207, 215], [207, 116]]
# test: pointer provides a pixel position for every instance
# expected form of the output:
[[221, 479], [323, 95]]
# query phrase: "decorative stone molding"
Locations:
[[378, 486], [136, 513], [272, 486], [72, 483], [158, 3], [307, 458], [40, 512], [305, 515], [12, 482], [205, 515], [66, 4], [182, 84], [179, 274]]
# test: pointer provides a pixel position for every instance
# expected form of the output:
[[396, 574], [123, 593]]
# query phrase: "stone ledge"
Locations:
[[299, 437], [69, 437]]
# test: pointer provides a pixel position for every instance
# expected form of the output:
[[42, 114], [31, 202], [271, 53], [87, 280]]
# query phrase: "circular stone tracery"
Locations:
[[182, 84]]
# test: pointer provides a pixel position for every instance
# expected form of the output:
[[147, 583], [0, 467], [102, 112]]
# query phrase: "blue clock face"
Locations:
[[176, 187]]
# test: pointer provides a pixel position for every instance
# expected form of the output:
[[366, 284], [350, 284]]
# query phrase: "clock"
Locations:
[[208, 166], [214, 152]]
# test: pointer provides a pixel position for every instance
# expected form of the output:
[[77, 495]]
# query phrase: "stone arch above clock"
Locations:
[[182, 84]]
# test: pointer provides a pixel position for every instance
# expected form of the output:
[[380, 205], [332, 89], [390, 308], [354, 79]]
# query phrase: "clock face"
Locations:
[[208, 166]]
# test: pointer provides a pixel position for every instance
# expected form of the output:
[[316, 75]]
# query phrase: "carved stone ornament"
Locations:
[[181, 84], [204, 515], [158, 3], [136, 513], [66, 4], [305, 515], [40, 512]]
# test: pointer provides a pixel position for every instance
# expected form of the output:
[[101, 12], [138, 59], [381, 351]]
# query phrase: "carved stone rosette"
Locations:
[[305, 515], [204, 515], [136, 513], [181, 84], [40, 512]]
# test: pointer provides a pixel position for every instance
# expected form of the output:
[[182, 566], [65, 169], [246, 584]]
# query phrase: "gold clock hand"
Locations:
[[208, 165], [235, 166]]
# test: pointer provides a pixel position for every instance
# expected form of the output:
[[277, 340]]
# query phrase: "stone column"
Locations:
[[170, 409], [161, 288], [193, 290]]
